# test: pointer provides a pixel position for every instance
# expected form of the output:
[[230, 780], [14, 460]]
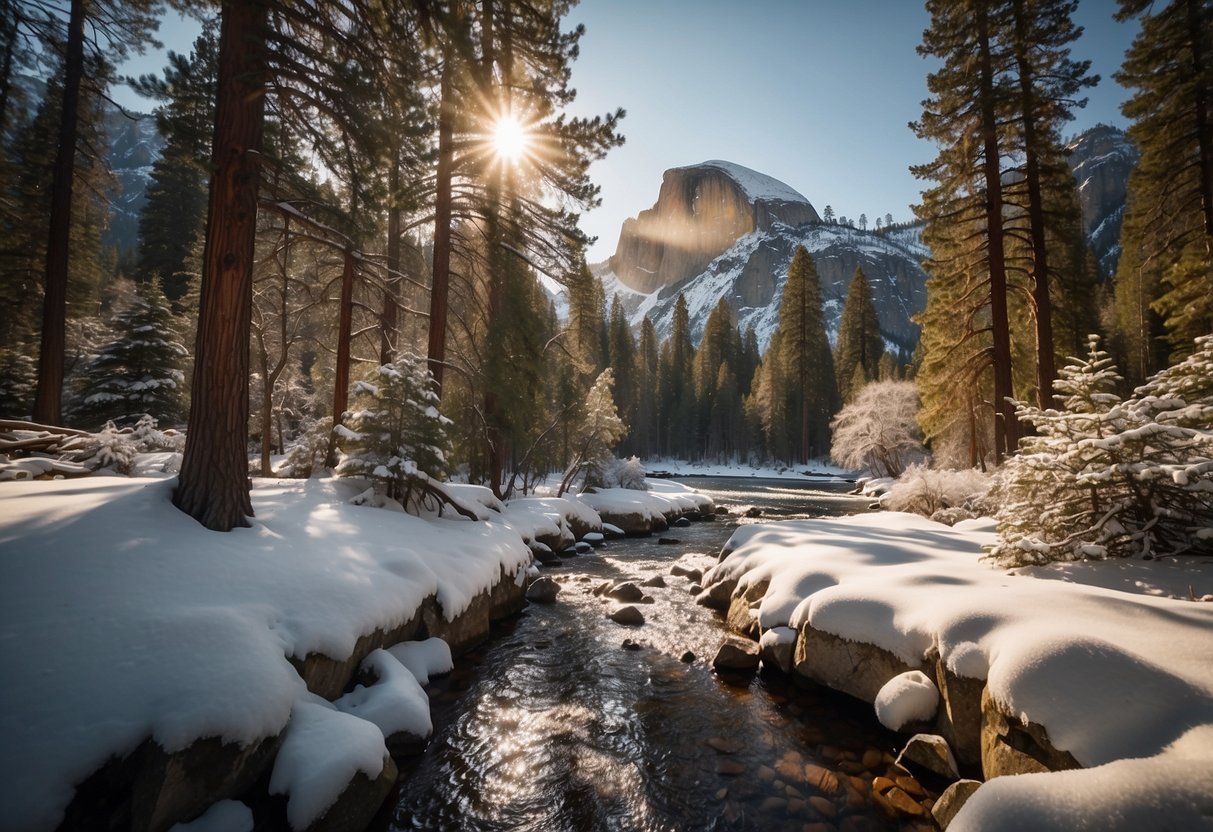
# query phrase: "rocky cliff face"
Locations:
[[701, 211], [1101, 159], [721, 230], [134, 146]]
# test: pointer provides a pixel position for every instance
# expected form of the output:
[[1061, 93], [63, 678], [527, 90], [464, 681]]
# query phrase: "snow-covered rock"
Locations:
[[908, 697]]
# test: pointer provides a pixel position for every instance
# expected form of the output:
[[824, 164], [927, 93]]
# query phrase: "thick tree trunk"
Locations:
[[1006, 432], [48, 401], [440, 287], [213, 486], [1046, 367]]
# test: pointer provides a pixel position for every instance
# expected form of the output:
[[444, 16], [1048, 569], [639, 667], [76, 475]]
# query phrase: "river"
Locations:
[[557, 724]]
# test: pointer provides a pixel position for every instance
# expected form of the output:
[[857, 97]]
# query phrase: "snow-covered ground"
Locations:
[[1111, 657], [683, 468]]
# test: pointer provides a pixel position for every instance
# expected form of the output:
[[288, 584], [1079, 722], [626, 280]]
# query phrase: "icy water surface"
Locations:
[[555, 724]]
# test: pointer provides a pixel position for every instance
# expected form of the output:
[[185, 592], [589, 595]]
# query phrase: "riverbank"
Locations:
[[1101, 667], [140, 646]]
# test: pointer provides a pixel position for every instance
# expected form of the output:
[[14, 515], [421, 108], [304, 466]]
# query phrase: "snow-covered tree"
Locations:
[[139, 371], [598, 433], [878, 430], [395, 435], [1104, 477]]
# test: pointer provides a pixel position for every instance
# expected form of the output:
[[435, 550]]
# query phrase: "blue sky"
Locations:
[[817, 93]]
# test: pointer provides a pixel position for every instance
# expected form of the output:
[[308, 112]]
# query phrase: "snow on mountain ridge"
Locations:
[[757, 186]]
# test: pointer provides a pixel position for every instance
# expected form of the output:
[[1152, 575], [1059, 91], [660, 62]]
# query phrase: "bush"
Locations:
[[942, 494], [878, 430]]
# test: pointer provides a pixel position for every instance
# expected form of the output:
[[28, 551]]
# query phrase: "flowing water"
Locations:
[[566, 720]]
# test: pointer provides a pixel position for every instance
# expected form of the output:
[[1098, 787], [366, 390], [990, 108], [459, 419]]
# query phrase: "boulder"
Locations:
[[544, 555], [959, 718], [852, 667], [358, 803], [777, 648], [929, 754], [627, 615], [718, 595], [736, 656], [668, 541], [557, 541], [1011, 746], [593, 538], [681, 523], [742, 616], [611, 531], [951, 801], [656, 580], [543, 591]]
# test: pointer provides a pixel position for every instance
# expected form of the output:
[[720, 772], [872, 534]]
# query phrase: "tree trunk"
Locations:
[[440, 286], [48, 401], [1046, 367], [388, 318], [1006, 433], [213, 486], [341, 373], [1204, 125]]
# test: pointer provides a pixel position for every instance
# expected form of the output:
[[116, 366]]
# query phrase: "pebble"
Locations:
[[822, 779], [766, 773], [729, 768], [903, 803], [872, 758], [911, 786], [722, 793], [823, 807], [627, 615], [687, 657], [726, 745], [773, 804]]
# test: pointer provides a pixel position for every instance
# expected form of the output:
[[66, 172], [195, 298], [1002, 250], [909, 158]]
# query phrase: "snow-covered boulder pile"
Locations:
[[129, 629], [1114, 672], [645, 512]]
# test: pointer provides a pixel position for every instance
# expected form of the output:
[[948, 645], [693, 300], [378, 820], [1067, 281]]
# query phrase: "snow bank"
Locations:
[[322, 751], [395, 703], [1111, 675], [123, 618], [224, 816]]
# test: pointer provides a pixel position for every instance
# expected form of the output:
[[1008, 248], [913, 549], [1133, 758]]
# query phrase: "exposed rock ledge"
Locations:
[[149, 789]]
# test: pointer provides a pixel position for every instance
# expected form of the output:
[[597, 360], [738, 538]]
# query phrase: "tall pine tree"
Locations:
[[806, 360], [860, 346]]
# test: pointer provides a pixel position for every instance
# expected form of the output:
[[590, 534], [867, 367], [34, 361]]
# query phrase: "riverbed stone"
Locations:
[[736, 656], [718, 595], [687, 657], [929, 753], [1011, 746], [627, 592], [543, 591], [725, 745], [822, 779], [951, 801], [694, 589], [668, 541], [689, 572], [903, 803], [656, 580], [627, 615]]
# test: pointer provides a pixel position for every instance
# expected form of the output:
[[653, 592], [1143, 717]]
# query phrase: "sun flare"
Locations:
[[510, 138]]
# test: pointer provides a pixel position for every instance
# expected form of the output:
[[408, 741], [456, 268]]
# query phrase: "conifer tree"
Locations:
[[1165, 274], [677, 385], [622, 359], [806, 359], [860, 346], [137, 373], [395, 435], [598, 431], [643, 435]]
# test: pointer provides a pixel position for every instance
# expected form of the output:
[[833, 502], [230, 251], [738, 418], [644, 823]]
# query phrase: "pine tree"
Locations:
[[1166, 269], [139, 372], [1103, 477], [644, 436], [860, 345], [806, 359], [597, 432], [395, 436], [677, 386], [965, 210], [622, 359], [173, 218]]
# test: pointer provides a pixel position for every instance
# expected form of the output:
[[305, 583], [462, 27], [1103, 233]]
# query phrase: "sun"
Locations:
[[510, 138]]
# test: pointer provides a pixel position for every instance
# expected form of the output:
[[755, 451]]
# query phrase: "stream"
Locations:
[[556, 724]]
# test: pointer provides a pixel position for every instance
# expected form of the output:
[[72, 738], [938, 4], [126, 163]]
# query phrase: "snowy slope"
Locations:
[[757, 186]]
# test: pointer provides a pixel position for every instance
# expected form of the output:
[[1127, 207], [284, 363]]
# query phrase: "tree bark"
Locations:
[[48, 400], [1006, 433], [388, 318], [1204, 125], [213, 486], [345, 326], [440, 286], [1046, 367]]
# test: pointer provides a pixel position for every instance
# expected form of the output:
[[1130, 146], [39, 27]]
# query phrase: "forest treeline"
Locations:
[[333, 197]]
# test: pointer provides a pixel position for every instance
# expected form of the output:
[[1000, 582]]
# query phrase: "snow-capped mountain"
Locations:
[[722, 230], [1101, 159]]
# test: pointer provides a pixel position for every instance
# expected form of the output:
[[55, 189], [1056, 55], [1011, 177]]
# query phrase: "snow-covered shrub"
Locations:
[[617, 473], [878, 430], [395, 436], [1111, 478], [113, 449], [309, 450], [941, 494], [148, 438]]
